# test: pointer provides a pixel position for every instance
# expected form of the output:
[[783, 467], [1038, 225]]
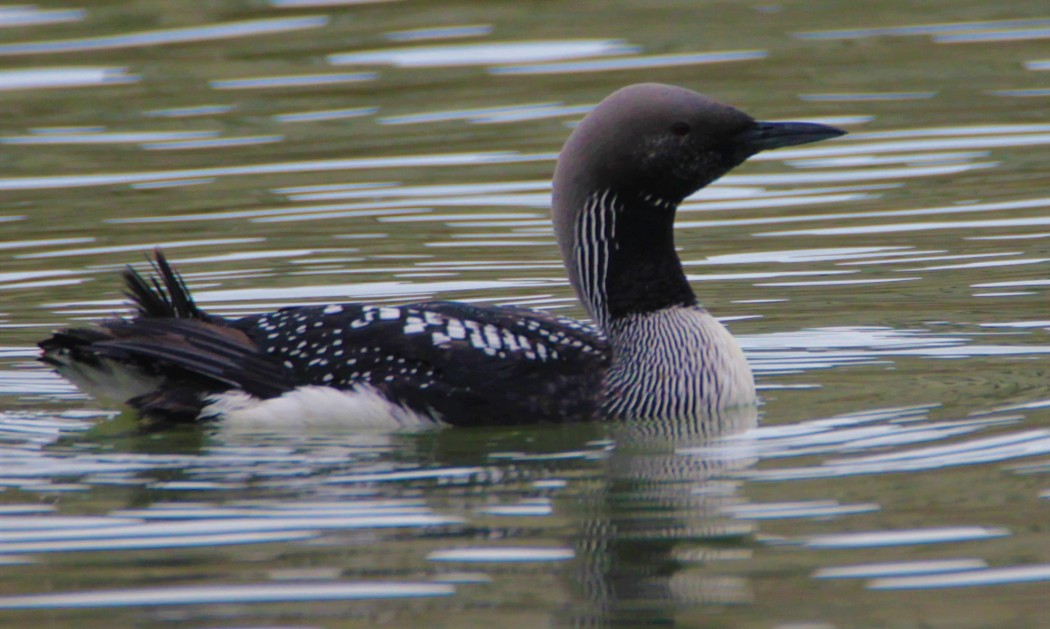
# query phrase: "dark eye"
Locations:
[[680, 128]]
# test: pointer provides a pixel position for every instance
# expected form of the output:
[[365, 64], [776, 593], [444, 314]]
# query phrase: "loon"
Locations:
[[652, 353]]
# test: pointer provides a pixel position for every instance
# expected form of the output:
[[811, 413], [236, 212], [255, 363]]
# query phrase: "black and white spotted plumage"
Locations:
[[446, 362], [457, 362]]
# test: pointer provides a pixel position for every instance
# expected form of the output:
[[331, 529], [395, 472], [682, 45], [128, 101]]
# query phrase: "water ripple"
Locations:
[[409, 161], [920, 29], [993, 35], [880, 539], [900, 568], [990, 576], [106, 137], [502, 554], [47, 78], [440, 32], [292, 81], [209, 32], [484, 54], [29, 15], [228, 594], [631, 63]]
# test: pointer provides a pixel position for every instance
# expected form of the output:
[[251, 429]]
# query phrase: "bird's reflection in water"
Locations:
[[642, 506], [652, 529]]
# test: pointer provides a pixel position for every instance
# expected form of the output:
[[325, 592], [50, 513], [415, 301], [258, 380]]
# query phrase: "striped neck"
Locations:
[[624, 258]]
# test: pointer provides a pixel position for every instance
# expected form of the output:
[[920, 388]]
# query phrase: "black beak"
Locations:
[[774, 135]]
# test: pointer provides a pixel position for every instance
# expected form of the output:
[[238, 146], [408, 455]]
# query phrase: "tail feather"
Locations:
[[166, 296], [219, 355], [166, 359]]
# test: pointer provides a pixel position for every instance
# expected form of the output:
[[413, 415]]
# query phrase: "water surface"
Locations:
[[890, 289]]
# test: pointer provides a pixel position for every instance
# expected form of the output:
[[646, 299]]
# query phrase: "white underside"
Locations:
[[360, 407], [109, 381]]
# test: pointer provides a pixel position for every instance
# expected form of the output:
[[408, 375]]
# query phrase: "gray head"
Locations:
[[651, 146], [667, 141]]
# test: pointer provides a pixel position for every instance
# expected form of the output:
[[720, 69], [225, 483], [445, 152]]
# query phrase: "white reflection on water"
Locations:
[[182, 145], [353, 291], [299, 4], [767, 201], [330, 187], [1013, 283], [534, 507], [209, 32], [484, 54], [1020, 93], [291, 81], [851, 176], [410, 161], [179, 511], [630, 63], [173, 183], [46, 78], [344, 210], [131, 531], [175, 244], [838, 346], [440, 32], [968, 208], [872, 160], [29, 15], [978, 265], [502, 554], [921, 29], [892, 428], [947, 142], [865, 97], [969, 130], [490, 115], [189, 112], [32, 244], [993, 35], [791, 510], [794, 256], [988, 576], [379, 190], [33, 524], [106, 137], [539, 113], [326, 114], [205, 540], [911, 257], [906, 537], [914, 227], [228, 594], [900, 568], [444, 474]]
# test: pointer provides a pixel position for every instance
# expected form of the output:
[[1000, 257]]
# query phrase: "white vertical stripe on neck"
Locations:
[[595, 237]]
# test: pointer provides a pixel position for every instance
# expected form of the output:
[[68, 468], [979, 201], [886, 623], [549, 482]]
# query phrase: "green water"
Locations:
[[890, 289]]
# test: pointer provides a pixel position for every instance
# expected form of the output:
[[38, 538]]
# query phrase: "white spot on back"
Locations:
[[414, 325], [456, 329]]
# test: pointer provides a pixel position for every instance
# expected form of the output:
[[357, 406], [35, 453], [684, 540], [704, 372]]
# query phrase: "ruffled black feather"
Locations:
[[164, 295]]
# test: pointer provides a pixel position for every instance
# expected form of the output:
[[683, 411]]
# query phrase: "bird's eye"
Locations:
[[680, 128]]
